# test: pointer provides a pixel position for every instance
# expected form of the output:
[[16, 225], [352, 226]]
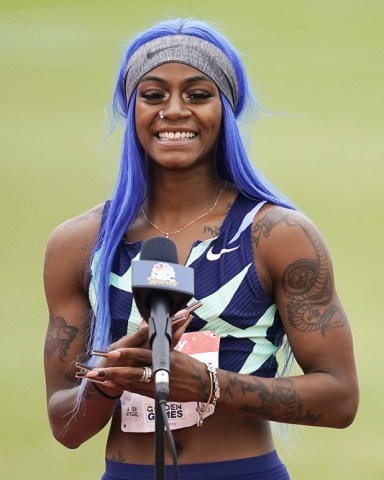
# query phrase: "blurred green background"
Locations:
[[318, 62]]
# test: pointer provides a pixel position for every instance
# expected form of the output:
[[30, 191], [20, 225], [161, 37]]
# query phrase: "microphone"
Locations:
[[160, 288]]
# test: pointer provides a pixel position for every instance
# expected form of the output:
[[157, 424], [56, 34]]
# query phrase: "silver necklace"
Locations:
[[168, 234]]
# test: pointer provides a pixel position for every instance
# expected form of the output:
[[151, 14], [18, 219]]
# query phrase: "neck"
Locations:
[[177, 194], [167, 224]]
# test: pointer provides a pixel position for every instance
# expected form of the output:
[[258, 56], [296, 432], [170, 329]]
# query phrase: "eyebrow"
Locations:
[[195, 78]]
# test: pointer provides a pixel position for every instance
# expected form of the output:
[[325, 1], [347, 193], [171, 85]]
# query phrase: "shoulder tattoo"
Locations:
[[307, 281]]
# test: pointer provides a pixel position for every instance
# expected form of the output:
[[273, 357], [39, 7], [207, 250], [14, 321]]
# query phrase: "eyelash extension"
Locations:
[[199, 95], [193, 96], [151, 95]]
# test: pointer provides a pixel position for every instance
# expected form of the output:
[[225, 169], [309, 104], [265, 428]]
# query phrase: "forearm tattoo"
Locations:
[[202, 381], [279, 403], [59, 337], [306, 282]]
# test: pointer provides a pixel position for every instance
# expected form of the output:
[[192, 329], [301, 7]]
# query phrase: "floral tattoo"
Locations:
[[59, 337]]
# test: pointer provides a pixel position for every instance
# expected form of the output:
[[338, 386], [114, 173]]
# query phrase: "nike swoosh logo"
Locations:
[[150, 55], [215, 256]]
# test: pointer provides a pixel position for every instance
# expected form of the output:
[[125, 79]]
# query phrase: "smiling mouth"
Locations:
[[175, 136]]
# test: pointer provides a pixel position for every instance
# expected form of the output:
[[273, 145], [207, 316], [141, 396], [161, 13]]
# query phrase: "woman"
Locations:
[[261, 269]]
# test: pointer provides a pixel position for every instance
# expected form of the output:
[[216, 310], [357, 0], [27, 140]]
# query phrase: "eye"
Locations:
[[152, 95], [199, 95]]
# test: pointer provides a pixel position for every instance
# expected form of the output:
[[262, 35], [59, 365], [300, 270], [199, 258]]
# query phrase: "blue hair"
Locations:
[[233, 164]]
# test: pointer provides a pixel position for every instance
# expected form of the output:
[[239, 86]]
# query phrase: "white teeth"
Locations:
[[176, 135]]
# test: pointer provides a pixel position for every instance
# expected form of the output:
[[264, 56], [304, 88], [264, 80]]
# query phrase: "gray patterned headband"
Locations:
[[187, 49]]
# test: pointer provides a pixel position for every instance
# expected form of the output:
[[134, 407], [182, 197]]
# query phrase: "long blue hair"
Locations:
[[131, 188]]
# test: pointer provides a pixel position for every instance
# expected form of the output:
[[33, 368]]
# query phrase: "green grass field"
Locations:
[[318, 62]]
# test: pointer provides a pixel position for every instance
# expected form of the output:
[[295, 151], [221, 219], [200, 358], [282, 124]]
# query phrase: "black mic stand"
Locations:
[[160, 338]]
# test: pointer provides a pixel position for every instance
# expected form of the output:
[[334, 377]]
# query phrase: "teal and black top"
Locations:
[[235, 305]]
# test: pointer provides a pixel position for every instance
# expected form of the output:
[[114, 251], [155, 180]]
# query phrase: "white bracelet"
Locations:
[[213, 395]]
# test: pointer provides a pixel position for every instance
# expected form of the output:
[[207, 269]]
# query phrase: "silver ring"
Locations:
[[161, 114], [147, 375]]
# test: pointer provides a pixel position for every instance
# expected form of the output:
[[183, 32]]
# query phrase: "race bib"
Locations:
[[138, 411]]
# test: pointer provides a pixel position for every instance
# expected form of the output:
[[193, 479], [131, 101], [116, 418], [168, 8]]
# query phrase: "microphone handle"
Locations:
[[160, 340]]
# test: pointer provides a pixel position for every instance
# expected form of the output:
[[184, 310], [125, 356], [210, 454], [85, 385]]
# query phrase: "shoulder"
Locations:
[[83, 228], [281, 225], [284, 241], [70, 245]]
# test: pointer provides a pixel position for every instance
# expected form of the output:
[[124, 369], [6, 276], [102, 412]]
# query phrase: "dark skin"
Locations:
[[292, 262]]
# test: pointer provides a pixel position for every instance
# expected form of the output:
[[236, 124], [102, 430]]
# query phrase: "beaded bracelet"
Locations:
[[214, 394], [102, 393]]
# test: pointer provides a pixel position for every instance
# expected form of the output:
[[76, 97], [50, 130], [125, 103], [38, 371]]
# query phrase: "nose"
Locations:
[[175, 109]]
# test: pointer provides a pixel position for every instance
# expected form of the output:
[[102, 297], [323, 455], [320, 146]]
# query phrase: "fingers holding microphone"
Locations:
[[130, 369], [127, 365]]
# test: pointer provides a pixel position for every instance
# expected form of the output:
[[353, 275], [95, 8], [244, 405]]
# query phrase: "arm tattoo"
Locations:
[[203, 382], [265, 226], [280, 403], [306, 282], [59, 337]]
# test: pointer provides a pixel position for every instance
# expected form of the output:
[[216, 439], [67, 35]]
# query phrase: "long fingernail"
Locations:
[[187, 322], [99, 353], [83, 366]]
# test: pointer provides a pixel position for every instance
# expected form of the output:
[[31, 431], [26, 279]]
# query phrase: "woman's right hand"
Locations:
[[127, 358]]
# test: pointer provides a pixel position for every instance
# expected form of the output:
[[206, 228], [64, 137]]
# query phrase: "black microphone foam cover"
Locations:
[[159, 249], [159, 273]]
